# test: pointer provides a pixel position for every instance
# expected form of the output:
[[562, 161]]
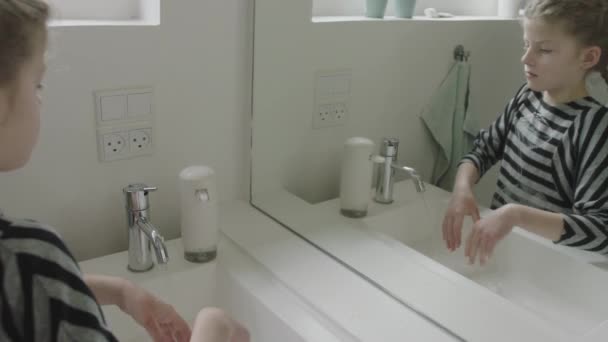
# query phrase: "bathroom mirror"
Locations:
[[378, 76]]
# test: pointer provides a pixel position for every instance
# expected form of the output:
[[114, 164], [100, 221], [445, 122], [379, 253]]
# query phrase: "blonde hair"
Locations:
[[22, 25], [586, 20]]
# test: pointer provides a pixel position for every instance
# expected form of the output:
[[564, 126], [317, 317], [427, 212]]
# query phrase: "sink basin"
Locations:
[[525, 270], [234, 283]]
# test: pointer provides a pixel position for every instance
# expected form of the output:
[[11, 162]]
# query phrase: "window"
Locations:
[[357, 7], [125, 11]]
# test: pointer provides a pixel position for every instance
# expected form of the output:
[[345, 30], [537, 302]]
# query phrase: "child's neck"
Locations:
[[565, 95]]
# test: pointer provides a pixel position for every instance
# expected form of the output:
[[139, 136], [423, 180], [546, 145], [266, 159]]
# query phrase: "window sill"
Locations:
[[73, 23], [337, 19]]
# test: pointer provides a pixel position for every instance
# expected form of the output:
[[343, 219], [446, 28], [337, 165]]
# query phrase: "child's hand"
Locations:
[[161, 321], [461, 204], [486, 233]]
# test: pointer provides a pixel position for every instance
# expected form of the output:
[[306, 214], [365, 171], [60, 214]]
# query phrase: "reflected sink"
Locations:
[[526, 270]]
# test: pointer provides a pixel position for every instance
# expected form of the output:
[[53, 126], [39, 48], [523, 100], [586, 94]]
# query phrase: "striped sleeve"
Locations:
[[587, 227], [489, 144], [43, 295]]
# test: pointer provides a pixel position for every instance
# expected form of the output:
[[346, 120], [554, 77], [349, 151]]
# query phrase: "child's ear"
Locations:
[[591, 56]]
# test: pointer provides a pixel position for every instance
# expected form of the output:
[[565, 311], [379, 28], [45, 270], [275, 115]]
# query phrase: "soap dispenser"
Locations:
[[199, 213], [356, 177]]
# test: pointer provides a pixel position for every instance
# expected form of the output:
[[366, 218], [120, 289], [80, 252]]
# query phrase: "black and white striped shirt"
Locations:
[[42, 294], [553, 158]]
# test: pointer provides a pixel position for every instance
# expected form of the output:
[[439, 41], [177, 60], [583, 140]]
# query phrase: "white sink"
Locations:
[[234, 283], [527, 271]]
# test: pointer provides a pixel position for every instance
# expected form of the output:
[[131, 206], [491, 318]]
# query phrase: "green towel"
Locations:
[[447, 119]]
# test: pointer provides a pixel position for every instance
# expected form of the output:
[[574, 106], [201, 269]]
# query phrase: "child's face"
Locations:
[[553, 60], [20, 114]]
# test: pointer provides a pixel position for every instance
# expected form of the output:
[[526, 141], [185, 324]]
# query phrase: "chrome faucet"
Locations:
[[386, 172], [143, 236]]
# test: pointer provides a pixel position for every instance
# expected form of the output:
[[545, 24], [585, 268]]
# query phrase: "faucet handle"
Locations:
[[138, 187], [137, 196], [390, 148]]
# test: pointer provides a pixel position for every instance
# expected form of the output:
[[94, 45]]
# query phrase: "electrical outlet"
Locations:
[[125, 141], [322, 116], [140, 141], [340, 113], [113, 146], [329, 115]]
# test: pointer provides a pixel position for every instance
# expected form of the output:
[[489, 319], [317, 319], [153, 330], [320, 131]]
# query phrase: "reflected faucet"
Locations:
[[143, 236], [386, 172]]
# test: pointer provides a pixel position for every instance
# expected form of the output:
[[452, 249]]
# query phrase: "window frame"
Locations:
[[104, 12]]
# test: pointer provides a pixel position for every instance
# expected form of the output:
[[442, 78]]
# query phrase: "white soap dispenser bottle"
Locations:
[[199, 213], [356, 177]]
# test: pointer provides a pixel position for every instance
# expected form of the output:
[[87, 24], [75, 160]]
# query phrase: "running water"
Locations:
[[434, 246], [163, 268], [505, 274]]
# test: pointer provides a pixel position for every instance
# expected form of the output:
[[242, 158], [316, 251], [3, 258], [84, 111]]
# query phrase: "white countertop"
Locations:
[[331, 290], [347, 300]]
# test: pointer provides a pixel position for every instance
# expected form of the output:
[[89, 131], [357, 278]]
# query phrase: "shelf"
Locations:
[[338, 19], [79, 23]]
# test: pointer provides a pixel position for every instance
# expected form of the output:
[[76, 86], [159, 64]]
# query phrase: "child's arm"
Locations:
[[488, 149], [488, 231], [489, 144], [581, 174], [467, 176], [214, 325], [462, 203], [107, 290], [540, 222], [48, 297], [158, 318], [584, 165]]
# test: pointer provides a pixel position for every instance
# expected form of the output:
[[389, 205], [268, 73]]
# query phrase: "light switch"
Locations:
[[113, 107], [333, 87], [139, 104]]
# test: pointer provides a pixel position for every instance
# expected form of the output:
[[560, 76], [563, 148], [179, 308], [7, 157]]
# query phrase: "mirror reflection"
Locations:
[[459, 156]]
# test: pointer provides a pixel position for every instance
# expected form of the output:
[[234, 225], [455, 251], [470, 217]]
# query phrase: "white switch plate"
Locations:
[[113, 107], [125, 141], [126, 105], [139, 105]]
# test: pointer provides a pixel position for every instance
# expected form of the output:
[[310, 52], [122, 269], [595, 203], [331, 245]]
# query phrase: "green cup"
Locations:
[[375, 8], [405, 8]]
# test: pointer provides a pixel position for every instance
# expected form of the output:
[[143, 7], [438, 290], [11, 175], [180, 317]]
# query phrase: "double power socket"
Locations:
[[330, 114], [124, 120], [125, 142]]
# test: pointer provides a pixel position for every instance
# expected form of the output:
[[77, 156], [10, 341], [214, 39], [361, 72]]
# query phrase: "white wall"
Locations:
[[396, 66], [198, 60]]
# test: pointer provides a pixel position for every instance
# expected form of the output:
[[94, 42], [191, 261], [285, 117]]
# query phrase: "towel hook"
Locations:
[[460, 54]]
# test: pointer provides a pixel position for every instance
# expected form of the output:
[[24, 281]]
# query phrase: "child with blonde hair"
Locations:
[[551, 140], [43, 295]]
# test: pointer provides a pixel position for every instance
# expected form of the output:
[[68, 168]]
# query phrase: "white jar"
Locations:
[[356, 177], [199, 213]]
